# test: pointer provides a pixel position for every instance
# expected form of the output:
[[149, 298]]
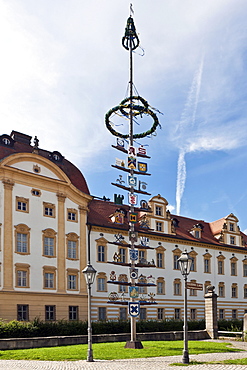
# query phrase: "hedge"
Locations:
[[39, 328]]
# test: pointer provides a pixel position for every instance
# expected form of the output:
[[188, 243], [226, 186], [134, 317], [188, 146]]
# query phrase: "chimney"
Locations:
[[21, 138]]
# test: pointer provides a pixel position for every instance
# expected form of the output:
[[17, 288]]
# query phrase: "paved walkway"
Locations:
[[156, 363]]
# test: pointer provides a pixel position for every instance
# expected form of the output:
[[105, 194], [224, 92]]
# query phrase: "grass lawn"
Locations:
[[114, 351]]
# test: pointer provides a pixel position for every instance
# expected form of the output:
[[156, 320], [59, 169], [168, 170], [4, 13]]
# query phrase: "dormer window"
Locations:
[[232, 240], [56, 156], [231, 226], [6, 141], [197, 234], [158, 211]]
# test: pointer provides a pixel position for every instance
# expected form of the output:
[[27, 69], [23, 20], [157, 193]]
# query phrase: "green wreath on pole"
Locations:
[[136, 110]]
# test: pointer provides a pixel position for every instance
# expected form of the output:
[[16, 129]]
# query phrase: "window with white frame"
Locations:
[[158, 210]]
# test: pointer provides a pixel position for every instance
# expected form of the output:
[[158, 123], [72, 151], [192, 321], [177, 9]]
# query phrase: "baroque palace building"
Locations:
[[49, 221]]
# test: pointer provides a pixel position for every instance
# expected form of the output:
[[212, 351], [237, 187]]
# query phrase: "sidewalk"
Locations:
[[155, 363]]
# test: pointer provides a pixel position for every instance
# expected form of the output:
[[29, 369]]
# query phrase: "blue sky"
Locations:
[[63, 67]]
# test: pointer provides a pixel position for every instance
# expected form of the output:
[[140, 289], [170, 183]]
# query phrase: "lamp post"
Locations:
[[185, 263], [89, 274]]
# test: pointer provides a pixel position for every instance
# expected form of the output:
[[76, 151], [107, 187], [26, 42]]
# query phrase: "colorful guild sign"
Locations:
[[142, 167], [144, 241], [134, 309], [120, 142], [119, 218], [132, 199], [132, 163], [133, 254], [134, 292], [133, 217], [133, 273], [142, 150], [133, 236], [120, 162], [132, 181], [132, 151]]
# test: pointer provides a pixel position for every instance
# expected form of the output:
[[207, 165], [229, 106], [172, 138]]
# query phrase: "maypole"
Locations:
[[131, 108]]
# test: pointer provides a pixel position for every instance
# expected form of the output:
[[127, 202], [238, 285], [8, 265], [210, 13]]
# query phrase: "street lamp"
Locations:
[[89, 274], [185, 264]]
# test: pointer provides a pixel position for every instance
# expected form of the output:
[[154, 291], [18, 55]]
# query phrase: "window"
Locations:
[[101, 282], [232, 239], [49, 275], [72, 246], [123, 313], [221, 313], [159, 260], [177, 287], [22, 204], [102, 313], [72, 282], [73, 313], [233, 269], [231, 226], [22, 275], [159, 226], [177, 314], [197, 234], [22, 312], [234, 290], [175, 262], [141, 255], [245, 267], [101, 253], [72, 215], [220, 267], [158, 211], [101, 249], [21, 278], [193, 255], [221, 289], [50, 313], [245, 290], [160, 285], [21, 243], [143, 313], [49, 243], [122, 252], [207, 262], [49, 209], [49, 246], [160, 256], [176, 254], [233, 266], [36, 192], [160, 314], [234, 314], [193, 314], [22, 239], [49, 280]]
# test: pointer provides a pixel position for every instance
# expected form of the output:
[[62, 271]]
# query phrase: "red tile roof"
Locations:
[[101, 210], [73, 173]]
